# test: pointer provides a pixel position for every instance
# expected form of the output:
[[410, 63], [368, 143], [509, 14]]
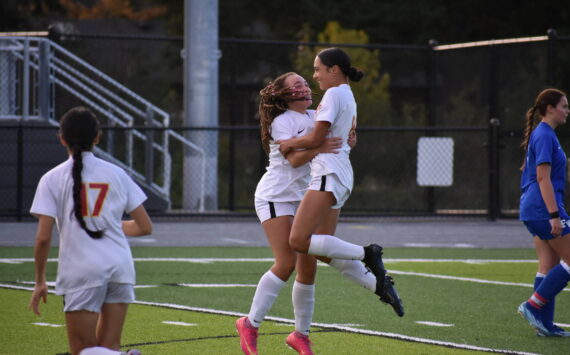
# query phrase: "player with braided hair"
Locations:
[[87, 197], [542, 209]]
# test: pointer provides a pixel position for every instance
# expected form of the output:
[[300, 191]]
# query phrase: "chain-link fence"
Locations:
[[434, 91]]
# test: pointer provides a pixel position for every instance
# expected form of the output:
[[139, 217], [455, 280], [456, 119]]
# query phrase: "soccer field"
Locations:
[[458, 301]]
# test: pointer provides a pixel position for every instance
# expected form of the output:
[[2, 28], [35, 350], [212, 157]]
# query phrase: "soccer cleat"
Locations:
[[373, 261], [384, 283], [300, 343], [247, 336], [533, 319], [389, 295], [553, 331], [132, 352]]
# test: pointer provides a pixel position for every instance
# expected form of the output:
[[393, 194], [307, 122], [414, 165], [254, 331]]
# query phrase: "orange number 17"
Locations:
[[101, 195]]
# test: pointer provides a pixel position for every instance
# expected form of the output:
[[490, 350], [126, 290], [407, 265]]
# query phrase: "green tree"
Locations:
[[372, 92]]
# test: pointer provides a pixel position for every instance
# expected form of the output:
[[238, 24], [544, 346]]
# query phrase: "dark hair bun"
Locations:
[[355, 74]]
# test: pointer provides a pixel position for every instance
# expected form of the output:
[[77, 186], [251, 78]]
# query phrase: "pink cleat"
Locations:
[[247, 336], [300, 343]]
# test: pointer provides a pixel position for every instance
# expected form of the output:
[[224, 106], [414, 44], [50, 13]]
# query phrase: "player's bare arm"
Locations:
[[308, 141], [41, 250], [140, 225], [300, 157]]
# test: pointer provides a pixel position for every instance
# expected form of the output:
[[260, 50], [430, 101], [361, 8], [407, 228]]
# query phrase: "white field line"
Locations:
[[467, 279], [387, 261], [41, 324], [179, 323], [321, 325], [434, 324], [249, 260]]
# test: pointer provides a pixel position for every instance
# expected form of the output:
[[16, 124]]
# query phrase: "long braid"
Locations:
[[79, 128], [529, 127]]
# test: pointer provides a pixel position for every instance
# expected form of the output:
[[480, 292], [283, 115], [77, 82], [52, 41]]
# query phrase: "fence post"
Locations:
[[26, 81], [551, 66], [44, 97], [493, 67], [149, 156], [493, 145], [20, 172], [233, 110], [431, 111]]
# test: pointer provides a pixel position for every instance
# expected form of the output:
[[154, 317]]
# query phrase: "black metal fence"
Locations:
[[485, 181], [435, 91]]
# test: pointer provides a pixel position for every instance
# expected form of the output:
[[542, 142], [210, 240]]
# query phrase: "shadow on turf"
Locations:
[[135, 345]]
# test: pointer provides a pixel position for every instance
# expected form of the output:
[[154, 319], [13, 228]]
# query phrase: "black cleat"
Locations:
[[389, 295], [373, 261], [384, 283]]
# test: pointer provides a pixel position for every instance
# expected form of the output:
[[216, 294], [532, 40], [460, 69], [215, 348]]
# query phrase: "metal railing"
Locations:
[[32, 69]]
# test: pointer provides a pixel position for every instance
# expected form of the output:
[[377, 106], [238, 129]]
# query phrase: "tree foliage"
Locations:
[[372, 92]]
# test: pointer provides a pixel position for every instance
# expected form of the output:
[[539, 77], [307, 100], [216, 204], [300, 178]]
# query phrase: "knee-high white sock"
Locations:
[[334, 248], [303, 306], [265, 294], [355, 271], [99, 350]]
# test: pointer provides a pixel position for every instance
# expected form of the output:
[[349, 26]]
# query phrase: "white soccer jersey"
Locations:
[[281, 182], [85, 262], [339, 108]]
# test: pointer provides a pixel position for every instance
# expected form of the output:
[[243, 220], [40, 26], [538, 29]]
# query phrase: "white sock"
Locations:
[[265, 294], [355, 271], [303, 306], [334, 248], [565, 266], [99, 350]]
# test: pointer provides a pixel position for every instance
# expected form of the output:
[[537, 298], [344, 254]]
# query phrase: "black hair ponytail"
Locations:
[[79, 128], [336, 56]]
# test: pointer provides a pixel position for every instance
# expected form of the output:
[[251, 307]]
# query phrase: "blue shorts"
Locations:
[[542, 228]]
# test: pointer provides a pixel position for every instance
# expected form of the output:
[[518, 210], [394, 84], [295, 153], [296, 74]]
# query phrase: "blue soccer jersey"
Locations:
[[543, 147]]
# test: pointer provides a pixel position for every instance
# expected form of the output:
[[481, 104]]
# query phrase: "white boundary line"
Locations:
[[249, 260], [320, 325], [467, 279]]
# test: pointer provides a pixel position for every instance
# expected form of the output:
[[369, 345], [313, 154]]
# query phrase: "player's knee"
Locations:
[[298, 244]]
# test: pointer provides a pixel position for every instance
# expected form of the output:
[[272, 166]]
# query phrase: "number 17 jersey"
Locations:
[[107, 192]]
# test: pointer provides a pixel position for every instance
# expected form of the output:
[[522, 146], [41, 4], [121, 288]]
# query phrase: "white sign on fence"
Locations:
[[435, 161]]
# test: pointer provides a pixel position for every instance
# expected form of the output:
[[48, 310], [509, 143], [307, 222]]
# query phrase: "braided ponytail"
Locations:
[[548, 97], [79, 128]]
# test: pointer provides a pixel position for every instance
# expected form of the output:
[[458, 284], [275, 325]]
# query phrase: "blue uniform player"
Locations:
[[542, 209]]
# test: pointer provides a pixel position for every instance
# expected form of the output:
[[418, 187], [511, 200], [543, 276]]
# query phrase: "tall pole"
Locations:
[[201, 56]]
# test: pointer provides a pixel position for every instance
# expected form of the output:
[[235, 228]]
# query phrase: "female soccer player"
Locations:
[[331, 174], [542, 208], [284, 113], [87, 197]]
